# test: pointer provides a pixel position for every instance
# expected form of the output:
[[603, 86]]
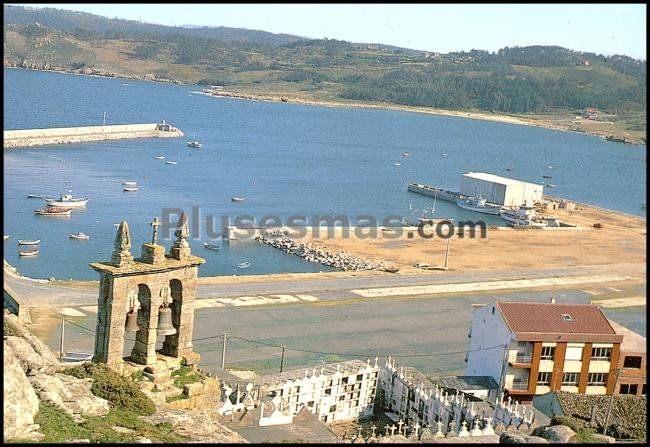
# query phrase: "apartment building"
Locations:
[[632, 366], [534, 348]]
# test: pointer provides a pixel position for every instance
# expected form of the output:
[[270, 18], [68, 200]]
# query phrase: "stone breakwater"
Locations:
[[312, 253]]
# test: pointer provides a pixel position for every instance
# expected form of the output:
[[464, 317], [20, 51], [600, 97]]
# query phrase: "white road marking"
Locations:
[[254, 300], [483, 286], [307, 297]]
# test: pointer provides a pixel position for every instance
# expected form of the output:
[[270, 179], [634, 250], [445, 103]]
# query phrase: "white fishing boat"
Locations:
[[244, 265], [53, 211], [550, 185], [130, 188], [210, 246], [238, 199], [28, 242], [79, 235], [522, 217], [194, 144], [479, 204], [406, 154], [67, 201], [159, 157], [397, 163], [168, 162], [129, 183], [34, 196], [32, 252]]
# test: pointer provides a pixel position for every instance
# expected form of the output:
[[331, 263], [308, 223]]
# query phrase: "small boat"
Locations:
[[6, 237], [549, 167], [53, 211], [34, 196], [244, 265], [68, 201], [547, 176], [79, 235], [551, 185], [159, 157], [26, 242], [522, 217], [397, 163], [406, 154], [479, 205], [210, 246], [444, 155], [238, 199], [509, 169], [32, 252], [129, 183], [195, 144], [171, 162], [130, 188]]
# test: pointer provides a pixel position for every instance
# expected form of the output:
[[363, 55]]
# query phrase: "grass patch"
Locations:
[[184, 375], [169, 399], [57, 426], [121, 391]]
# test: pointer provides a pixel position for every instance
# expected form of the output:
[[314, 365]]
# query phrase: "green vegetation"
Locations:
[[583, 433], [120, 391], [58, 427], [538, 80], [185, 375]]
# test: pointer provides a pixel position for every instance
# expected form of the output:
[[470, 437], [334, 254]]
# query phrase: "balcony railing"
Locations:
[[519, 385], [523, 358]]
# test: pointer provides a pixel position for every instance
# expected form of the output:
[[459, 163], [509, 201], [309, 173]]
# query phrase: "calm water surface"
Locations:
[[286, 159]]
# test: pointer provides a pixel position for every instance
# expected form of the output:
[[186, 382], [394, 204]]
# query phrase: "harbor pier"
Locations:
[[63, 135]]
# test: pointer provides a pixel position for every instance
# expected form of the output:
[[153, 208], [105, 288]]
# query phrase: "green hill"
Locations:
[[547, 82]]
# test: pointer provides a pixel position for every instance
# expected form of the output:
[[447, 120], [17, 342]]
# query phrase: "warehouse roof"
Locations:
[[496, 178]]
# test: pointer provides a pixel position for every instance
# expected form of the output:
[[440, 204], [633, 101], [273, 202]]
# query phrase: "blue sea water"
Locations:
[[286, 159]]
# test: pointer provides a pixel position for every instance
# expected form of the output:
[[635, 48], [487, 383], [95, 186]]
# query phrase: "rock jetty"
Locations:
[[312, 253]]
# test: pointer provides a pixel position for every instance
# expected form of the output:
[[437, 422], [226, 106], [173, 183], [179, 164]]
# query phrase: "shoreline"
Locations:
[[501, 118]]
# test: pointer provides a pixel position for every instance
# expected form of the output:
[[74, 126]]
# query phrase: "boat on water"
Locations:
[[159, 157], [550, 185], [406, 154], [168, 162], [32, 252], [28, 242], [244, 265], [53, 211], [479, 204], [194, 144], [34, 196], [129, 183], [444, 155], [6, 237], [397, 163], [130, 188], [238, 199], [547, 176], [210, 246], [79, 235], [509, 169], [66, 200]]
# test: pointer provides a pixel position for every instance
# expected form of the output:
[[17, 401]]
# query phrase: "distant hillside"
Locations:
[[542, 80]]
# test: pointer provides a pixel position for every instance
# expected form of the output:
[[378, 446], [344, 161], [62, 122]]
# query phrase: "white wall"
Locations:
[[488, 329]]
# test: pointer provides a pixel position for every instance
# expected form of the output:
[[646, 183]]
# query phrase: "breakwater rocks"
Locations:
[[312, 253]]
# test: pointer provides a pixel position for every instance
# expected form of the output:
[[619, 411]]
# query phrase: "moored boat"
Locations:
[[244, 265], [522, 217], [66, 200], [31, 252], [159, 157], [210, 246], [130, 188], [194, 144], [54, 211], [129, 183], [28, 242], [34, 196], [79, 235], [169, 162], [238, 199], [479, 205]]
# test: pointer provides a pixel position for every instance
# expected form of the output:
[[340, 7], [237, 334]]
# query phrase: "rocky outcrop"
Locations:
[[312, 253], [518, 438], [556, 434], [197, 425], [20, 401]]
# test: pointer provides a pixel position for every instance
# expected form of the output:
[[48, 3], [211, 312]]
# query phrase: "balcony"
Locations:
[[518, 386], [522, 358]]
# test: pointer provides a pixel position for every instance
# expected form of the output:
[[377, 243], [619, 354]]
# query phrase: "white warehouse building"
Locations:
[[500, 190]]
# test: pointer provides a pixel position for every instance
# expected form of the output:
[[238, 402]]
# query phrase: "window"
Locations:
[[332, 409], [567, 317], [597, 379], [328, 391], [344, 380], [548, 352], [643, 389], [632, 362], [601, 354], [359, 377], [310, 403], [628, 388], [544, 378], [571, 379]]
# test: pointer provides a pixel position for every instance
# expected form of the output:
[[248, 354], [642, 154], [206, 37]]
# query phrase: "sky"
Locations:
[[599, 28]]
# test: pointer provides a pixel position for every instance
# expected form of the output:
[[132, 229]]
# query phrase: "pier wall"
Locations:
[[61, 135], [15, 305]]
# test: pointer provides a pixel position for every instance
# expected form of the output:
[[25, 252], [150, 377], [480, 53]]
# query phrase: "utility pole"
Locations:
[[282, 359], [62, 335], [447, 251], [223, 350], [611, 402]]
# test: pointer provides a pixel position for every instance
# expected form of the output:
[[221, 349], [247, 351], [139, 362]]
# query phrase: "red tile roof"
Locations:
[[547, 318]]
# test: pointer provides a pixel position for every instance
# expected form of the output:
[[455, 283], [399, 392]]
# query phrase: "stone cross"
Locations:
[[399, 424], [155, 224], [373, 427], [416, 427], [359, 429], [439, 426], [392, 430], [387, 428]]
